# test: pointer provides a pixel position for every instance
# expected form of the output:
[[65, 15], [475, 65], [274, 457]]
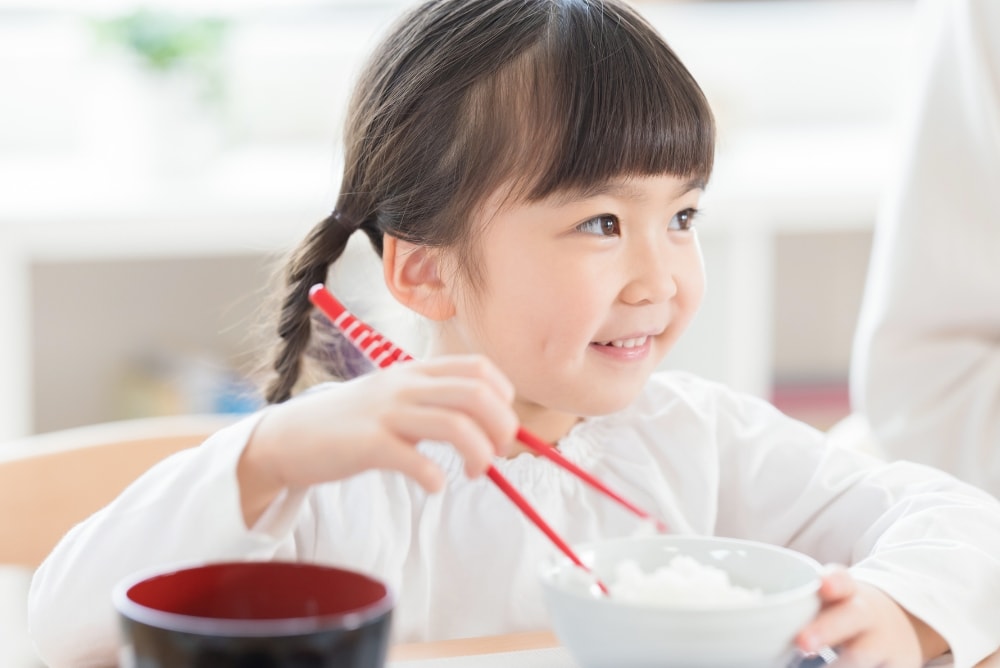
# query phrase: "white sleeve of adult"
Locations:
[[926, 364]]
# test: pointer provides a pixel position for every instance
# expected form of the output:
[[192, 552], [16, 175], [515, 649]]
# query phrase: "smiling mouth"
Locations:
[[624, 343]]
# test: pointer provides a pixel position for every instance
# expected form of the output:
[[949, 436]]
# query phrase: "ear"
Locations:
[[413, 275]]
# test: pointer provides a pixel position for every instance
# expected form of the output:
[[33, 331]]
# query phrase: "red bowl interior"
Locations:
[[260, 591]]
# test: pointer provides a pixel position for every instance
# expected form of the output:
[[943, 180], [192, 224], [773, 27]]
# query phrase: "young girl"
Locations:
[[529, 171]]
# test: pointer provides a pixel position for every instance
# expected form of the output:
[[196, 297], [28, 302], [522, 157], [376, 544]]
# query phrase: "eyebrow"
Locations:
[[621, 189]]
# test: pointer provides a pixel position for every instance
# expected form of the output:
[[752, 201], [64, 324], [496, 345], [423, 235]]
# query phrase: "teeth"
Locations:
[[627, 343]]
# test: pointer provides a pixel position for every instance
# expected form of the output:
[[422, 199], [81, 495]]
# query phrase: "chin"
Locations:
[[585, 396]]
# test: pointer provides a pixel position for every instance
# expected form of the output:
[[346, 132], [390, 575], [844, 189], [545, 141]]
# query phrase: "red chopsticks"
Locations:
[[546, 450], [384, 353]]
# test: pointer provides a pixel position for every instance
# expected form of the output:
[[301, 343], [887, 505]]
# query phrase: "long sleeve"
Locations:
[[928, 540], [926, 367], [71, 618]]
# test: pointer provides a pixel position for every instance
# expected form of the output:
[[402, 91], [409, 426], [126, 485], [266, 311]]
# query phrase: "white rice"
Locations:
[[684, 582]]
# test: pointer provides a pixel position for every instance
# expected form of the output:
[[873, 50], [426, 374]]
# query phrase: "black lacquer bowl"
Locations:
[[254, 615]]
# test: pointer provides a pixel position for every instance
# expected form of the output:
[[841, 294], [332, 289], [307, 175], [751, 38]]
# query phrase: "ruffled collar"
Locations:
[[586, 443]]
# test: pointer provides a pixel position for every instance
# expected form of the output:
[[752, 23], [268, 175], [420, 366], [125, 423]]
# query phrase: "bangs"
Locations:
[[638, 110], [599, 96]]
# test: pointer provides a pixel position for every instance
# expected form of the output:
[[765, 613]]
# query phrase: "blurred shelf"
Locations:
[[805, 145], [255, 199]]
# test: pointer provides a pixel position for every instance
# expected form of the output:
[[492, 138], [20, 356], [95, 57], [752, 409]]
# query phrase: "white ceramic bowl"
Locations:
[[604, 633]]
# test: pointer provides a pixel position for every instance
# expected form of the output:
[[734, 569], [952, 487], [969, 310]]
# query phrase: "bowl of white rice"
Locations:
[[683, 602]]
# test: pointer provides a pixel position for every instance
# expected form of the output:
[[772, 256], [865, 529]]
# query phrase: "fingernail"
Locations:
[[833, 587], [809, 642]]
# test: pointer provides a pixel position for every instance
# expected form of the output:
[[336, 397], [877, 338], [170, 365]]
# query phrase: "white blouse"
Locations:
[[465, 562]]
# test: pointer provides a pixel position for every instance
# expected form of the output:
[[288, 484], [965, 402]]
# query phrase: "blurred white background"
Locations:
[[157, 159]]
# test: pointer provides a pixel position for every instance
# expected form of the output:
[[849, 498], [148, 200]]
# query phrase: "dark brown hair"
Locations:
[[464, 97]]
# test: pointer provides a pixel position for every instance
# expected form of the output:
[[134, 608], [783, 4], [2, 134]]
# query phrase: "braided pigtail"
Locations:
[[308, 266]]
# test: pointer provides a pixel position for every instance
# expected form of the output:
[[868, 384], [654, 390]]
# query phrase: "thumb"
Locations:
[[836, 584]]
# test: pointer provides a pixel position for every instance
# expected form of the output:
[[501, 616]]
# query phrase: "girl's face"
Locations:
[[583, 294]]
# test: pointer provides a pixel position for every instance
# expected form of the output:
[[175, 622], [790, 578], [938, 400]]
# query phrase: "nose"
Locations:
[[650, 265]]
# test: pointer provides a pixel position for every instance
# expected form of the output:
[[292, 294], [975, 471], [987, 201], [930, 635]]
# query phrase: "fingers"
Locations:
[[836, 621], [835, 625], [862, 652], [470, 385], [375, 422], [463, 400], [400, 455], [866, 626], [868, 650], [836, 584], [493, 415], [472, 366], [415, 423]]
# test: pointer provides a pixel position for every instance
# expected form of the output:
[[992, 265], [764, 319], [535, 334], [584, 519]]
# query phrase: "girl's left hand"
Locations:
[[867, 627]]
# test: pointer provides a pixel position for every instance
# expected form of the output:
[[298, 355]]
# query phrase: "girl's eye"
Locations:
[[683, 220], [605, 225]]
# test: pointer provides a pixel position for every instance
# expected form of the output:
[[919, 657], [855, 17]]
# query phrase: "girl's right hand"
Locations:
[[374, 422]]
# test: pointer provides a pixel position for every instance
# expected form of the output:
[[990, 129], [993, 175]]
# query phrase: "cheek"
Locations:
[[507, 317], [551, 318], [571, 304], [696, 292], [693, 286]]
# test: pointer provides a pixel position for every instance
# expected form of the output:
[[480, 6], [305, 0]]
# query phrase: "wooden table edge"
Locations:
[[511, 642], [514, 642]]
